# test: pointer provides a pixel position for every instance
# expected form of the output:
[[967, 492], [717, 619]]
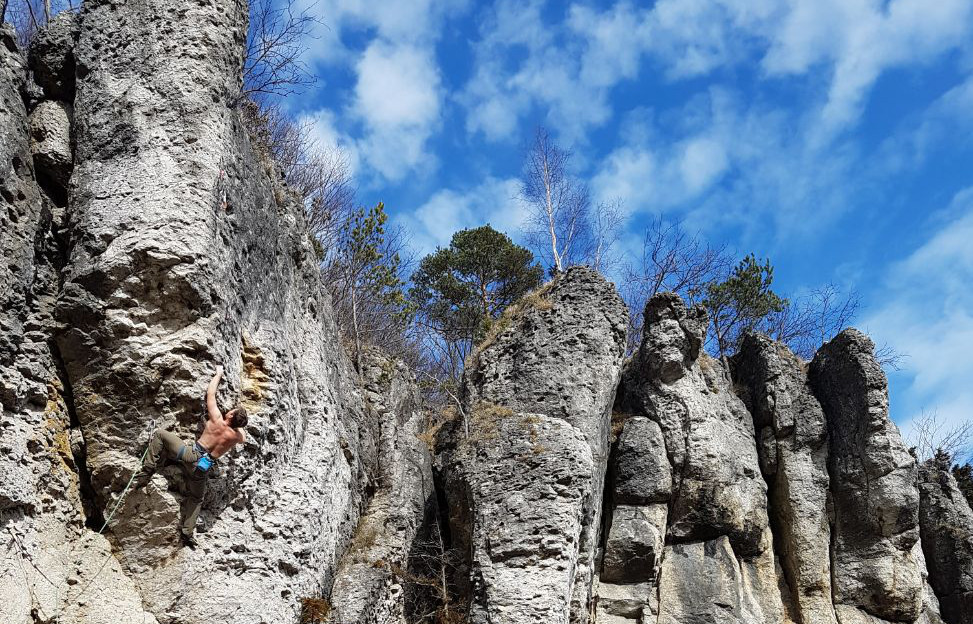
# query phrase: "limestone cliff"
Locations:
[[147, 240]]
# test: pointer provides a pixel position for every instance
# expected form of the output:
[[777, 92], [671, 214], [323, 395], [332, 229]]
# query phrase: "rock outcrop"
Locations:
[[525, 463], [946, 525], [873, 484], [146, 239], [717, 562], [792, 435], [371, 581]]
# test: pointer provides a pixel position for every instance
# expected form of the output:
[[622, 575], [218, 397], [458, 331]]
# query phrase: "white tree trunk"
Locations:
[[550, 216]]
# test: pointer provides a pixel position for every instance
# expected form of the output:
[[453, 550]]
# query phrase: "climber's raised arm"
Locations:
[[212, 409]]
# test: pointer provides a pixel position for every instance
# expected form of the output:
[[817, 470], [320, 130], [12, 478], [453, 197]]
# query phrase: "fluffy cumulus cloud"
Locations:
[[926, 312], [398, 98], [398, 95], [494, 201], [720, 161], [566, 70]]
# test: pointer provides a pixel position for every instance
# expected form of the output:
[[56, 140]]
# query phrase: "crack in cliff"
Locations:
[[93, 515]]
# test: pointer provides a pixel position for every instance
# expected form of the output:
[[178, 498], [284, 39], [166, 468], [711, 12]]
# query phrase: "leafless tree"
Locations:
[[931, 435], [276, 41], [30, 16], [671, 260], [605, 228], [558, 204], [808, 321]]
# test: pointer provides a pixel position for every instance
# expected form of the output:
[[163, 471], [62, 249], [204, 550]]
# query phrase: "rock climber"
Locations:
[[220, 434]]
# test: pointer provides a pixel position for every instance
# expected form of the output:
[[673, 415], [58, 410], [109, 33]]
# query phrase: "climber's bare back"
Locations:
[[219, 437], [219, 434]]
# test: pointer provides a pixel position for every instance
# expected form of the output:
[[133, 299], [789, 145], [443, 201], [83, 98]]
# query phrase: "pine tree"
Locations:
[[458, 291], [741, 302]]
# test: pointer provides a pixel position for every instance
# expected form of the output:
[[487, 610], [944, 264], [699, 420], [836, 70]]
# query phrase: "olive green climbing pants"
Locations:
[[166, 445]]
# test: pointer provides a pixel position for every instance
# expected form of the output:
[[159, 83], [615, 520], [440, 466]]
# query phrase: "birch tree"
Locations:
[[558, 204]]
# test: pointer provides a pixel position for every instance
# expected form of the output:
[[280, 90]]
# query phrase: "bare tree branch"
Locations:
[[276, 41], [671, 260], [931, 436]]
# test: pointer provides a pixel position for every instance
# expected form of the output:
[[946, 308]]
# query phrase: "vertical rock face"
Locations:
[[718, 562], [946, 524], [794, 455], [369, 581], [526, 486], [153, 243], [48, 553], [873, 484]]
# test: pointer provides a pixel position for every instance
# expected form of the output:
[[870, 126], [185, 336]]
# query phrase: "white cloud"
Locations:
[[628, 173], [325, 134], [862, 39], [416, 22], [728, 162], [567, 70], [494, 201], [925, 310], [703, 160], [398, 98]]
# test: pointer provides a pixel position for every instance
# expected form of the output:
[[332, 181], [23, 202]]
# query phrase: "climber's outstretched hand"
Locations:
[[212, 409]]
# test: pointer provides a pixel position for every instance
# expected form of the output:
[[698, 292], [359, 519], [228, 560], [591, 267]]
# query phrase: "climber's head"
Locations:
[[237, 417]]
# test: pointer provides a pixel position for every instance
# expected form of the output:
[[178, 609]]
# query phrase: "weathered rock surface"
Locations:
[[145, 241], [642, 474], [50, 141], [718, 560], [793, 455], [873, 484], [946, 524], [369, 586], [709, 435], [175, 249], [51, 56], [49, 556], [526, 488]]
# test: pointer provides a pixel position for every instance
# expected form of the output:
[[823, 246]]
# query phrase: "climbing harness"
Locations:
[[205, 461]]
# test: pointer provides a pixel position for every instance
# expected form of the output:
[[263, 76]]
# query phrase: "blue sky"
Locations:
[[833, 136]]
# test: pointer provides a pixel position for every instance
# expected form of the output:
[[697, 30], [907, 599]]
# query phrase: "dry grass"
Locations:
[[365, 537], [618, 423], [536, 299], [429, 436], [485, 421], [531, 423], [314, 610]]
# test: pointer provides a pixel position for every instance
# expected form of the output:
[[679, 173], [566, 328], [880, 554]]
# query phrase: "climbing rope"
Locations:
[[108, 519]]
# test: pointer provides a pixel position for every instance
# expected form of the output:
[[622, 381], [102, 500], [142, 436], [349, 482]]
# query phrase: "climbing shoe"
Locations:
[[189, 541]]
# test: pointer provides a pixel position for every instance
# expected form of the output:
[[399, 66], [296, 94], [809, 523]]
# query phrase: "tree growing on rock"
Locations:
[[741, 302], [558, 204], [458, 291], [670, 260], [362, 272], [276, 40]]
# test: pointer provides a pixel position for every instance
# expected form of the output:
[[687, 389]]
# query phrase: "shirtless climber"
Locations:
[[221, 433]]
